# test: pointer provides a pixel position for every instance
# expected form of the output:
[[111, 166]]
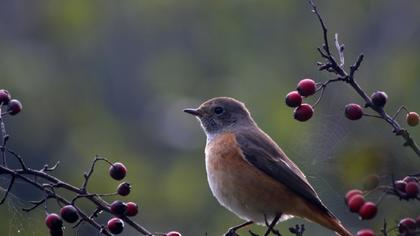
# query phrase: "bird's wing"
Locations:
[[260, 151]]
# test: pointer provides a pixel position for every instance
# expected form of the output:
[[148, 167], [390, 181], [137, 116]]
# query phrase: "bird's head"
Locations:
[[221, 114]]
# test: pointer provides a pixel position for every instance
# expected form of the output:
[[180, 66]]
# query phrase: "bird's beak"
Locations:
[[194, 112]]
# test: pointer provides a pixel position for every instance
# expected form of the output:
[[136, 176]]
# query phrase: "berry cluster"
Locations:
[[120, 209], [357, 204], [408, 188], [303, 111], [14, 106], [69, 213], [406, 227], [54, 222]]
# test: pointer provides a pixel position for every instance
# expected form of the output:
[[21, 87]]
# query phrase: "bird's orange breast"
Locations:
[[241, 187]]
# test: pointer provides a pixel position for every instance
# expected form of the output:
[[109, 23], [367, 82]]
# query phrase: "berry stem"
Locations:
[[402, 108]]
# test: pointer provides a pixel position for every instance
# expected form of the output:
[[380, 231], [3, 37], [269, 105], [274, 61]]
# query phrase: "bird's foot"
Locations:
[[231, 232], [271, 225], [297, 230]]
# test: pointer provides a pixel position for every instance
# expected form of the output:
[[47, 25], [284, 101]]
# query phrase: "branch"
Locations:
[[331, 65], [47, 184]]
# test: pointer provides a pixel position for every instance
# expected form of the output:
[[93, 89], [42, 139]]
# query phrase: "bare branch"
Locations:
[[47, 184], [90, 172]]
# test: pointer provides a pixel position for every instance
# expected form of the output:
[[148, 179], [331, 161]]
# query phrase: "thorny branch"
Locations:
[[331, 65]]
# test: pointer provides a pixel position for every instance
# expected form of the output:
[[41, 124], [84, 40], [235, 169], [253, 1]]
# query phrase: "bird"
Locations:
[[250, 175]]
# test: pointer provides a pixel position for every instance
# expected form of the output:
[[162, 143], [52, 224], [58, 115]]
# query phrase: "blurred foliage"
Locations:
[[111, 78]]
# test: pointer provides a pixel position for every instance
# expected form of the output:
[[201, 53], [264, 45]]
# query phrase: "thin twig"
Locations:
[[35, 204], [90, 172], [52, 168]]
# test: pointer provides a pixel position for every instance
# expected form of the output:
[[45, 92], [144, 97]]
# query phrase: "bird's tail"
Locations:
[[328, 220]]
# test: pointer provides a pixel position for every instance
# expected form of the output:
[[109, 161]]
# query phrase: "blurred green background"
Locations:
[[112, 77]]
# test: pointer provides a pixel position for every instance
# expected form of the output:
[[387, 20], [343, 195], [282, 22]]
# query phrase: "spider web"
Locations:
[[19, 222], [322, 143], [318, 150]]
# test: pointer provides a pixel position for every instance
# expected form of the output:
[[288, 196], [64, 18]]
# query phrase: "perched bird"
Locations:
[[250, 175]]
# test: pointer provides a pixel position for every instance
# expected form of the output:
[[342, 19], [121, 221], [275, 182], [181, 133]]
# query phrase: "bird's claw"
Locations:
[[231, 232]]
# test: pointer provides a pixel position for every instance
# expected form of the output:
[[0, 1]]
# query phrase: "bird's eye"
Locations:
[[218, 110]]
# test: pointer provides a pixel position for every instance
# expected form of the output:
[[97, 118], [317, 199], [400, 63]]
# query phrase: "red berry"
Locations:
[[351, 193], [117, 171], [379, 98], [69, 214], [368, 211], [400, 185], [371, 182], [118, 207], [365, 232], [173, 233], [412, 118], [124, 189], [356, 202], [4, 97], [14, 107], [306, 87], [412, 189], [53, 221], [303, 112], [407, 225], [293, 99], [353, 111], [115, 225], [408, 179], [132, 209]]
